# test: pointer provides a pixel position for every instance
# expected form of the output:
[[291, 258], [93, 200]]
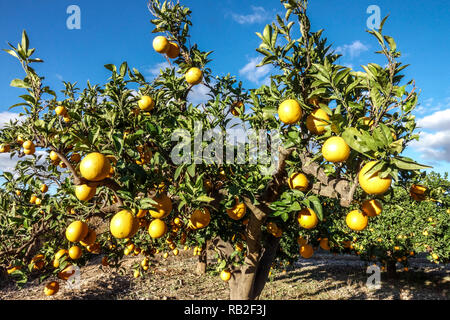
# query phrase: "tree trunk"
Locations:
[[248, 282], [202, 261], [391, 270]]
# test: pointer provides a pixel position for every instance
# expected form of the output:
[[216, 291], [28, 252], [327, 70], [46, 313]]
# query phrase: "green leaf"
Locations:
[[191, 169], [178, 171], [204, 199], [18, 83], [407, 164], [25, 41], [317, 206]]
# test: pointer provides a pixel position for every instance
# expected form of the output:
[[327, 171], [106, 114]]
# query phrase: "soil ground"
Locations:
[[322, 277]]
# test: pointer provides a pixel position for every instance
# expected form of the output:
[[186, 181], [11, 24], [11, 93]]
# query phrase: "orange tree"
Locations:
[[405, 226], [127, 181]]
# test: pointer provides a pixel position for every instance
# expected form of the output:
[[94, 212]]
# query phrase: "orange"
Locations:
[[237, 108], [60, 253], [75, 253], [301, 241], [237, 212], [366, 121], [30, 151], [141, 213], [123, 224], [53, 156], [417, 192], [373, 184], [51, 288], [315, 121], [306, 251], [75, 157], [174, 50], [44, 188], [289, 111], [157, 228], [89, 239], [60, 111], [225, 275], [28, 144], [38, 201], [84, 192], [307, 218], [163, 206], [175, 252], [94, 248], [5, 148], [161, 44], [67, 272], [324, 244], [95, 167], [356, 220], [146, 103], [76, 231], [11, 270], [33, 199], [194, 76], [371, 208], [200, 218], [335, 149], [298, 181]]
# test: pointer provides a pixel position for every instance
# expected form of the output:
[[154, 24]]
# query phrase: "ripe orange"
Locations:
[[174, 50], [237, 212], [200, 218], [371, 208], [163, 207], [356, 220], [53, 156], [60, 253], [366, 121], [28, 144], [194, 76], [301, 241], [289, 111], [175, 252], [417, 192], [225, 275], [237, 108], [89, 239], [76, 231], [161, 44], [141, 213], [75, 253], [123, 224], [157, 228], [146, 103], [5, 148], [33, 199], [315, 121], [324, 244], [51, 288], [38, 201], [75, 157], [67, 272], [60, 111], [298, 181], [373, 184], [307, 218], [95, 167], [44, 188], [335, 149], [30, 151], [306, 251], [84, 192]]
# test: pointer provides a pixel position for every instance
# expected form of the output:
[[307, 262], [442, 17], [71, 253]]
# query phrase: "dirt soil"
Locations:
[[322, 277]]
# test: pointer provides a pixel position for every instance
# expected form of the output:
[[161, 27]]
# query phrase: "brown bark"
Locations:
[[202, 261], [391, 269]]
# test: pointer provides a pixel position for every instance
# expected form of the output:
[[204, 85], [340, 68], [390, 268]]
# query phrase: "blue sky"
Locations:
[[113, 31]]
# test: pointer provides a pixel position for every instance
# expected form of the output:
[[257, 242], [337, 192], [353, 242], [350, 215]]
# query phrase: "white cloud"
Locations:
[[6, 116], [155, 70], [258, 15], [7, 163], [59, 77], [434, 146], [198, 94], [253, 73], [353, 50], [436, 121], [428, 105]]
